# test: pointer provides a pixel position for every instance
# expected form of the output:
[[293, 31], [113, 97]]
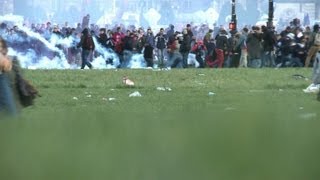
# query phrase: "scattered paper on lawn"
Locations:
[[135, 94]]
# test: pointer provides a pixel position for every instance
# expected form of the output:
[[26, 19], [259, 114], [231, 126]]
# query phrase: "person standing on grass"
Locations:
[[149, 47], [185, 48], [222, 44], [315, 86], [87, 45], [254, 44], [242, 43], [7, 102], [314, 44], [161, 40], [268, 44]]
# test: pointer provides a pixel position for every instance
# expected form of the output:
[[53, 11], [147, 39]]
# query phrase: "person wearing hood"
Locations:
[[222, 42], [87, 45]]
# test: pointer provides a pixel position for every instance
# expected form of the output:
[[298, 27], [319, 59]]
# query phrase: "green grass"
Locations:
[[258, 125]]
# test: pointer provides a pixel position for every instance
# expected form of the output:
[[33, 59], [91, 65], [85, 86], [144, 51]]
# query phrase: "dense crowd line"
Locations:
[[252, 46]]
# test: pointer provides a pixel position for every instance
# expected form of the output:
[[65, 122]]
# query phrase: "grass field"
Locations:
[[250, 124]]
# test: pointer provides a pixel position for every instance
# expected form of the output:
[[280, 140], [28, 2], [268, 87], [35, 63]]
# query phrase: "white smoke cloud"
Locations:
[[30, 60], [137, 61], [107, 55]]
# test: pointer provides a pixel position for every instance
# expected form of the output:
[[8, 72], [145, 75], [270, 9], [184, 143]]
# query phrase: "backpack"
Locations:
[[26, 91], [317, 39]]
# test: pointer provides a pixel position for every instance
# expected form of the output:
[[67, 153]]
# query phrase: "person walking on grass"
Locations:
[[314, 87], [87, 46], [314, 44]]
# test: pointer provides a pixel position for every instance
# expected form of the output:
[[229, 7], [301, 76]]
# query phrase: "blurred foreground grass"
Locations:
[[258, 125]]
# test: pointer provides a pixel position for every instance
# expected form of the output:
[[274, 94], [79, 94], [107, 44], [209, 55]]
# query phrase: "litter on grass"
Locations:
[[164, 89], [135, 94]]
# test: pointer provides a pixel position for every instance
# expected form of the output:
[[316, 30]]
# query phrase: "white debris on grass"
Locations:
[[108, 99], [135, 94], [89, 96], [211, 93], [75, 98], [168, 89], [201, 74], [229, 109], [164, 89], [161, 89]]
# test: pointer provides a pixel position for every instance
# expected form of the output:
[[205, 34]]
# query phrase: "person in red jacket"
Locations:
[[118, 43], [199, 49]]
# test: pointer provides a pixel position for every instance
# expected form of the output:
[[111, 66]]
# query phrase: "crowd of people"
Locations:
[[254, 46]]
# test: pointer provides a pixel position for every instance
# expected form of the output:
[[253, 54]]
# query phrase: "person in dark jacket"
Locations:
[[148, 55], [254, 43], [268, 44], [161, 40], [103, 38], [87, 45], [222, 43], [185, 48], [171, 34]]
